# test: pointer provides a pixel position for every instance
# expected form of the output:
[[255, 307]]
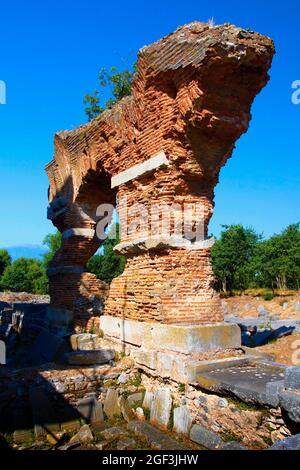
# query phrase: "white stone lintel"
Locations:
[[78, 232], [135, 171], [163, 242]]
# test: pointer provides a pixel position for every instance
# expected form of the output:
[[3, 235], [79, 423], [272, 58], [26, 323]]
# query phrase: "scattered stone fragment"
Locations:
[[223, 403], [205, 437], [292, 378], [291, 403], [289, 443], [90, 357], [83, 341], [139, 412], [126, 410], [123, 378], [182, 420], [161, 408], [114, 432], [84, 435], [233, 445], [91, 410], [111, 403], [135, 398], [126, 443], [155, 439]]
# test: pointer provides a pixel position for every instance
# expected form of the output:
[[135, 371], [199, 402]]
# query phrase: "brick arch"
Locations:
[[165, 144]]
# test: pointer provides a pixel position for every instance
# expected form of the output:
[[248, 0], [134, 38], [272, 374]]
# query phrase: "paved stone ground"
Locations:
[[249, 382]]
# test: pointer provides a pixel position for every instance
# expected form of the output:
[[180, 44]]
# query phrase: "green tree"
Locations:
[[120, 84], [232, 257], [108, 265], [5, 260], [24, 275], [277, 260], [53, 242]]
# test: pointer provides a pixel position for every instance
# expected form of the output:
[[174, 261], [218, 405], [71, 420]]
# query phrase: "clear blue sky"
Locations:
[[51, 52]]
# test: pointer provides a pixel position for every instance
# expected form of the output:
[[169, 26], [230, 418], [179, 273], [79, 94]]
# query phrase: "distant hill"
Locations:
[[26, 251]]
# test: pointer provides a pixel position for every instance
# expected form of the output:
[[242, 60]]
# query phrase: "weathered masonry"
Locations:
[[165, 144]]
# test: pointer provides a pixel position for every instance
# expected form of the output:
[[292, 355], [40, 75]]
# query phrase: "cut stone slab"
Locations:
[[161, 408], [83, 341], [96, 356], [111, 403], [135, 398], [176, 338], [290, 401], [292, 378], [91, 410], [188, 339], [205, 437], [182, 420], [233, 445], [156, 439], [251, 382], [84, 435], [126, 410], [289, 443], [148, 399]]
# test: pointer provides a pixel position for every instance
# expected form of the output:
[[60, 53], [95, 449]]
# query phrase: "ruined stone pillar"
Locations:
[[165, 146]]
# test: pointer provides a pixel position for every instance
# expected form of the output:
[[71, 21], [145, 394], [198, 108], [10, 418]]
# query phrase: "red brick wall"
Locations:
[[191, 99]]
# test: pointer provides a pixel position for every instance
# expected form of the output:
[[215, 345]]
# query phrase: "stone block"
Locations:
[[129, 331], [182, 420], [91, 410], [205, 437], [145, 358], [83, 341], [111, 403], [126, 410], [156, 439], [90, 357], [148, 399], [289, 443], [291, 403], [233, 445], [84, 435], [292, 378], [161, 408], [273, 390], [135, 398], [189, 339]]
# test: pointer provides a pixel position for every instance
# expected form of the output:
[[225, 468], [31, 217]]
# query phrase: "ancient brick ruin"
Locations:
[[191, 100]]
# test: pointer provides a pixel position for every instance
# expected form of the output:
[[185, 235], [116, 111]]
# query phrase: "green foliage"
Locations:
[[277, 260], [108, 265], [24, 275], [53, 242], [268, 296], [242, 260], [232, 255], [5, 260], [120, 84]]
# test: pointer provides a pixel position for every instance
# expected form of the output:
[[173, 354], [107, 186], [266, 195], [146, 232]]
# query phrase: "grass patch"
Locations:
[[136, 380]]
